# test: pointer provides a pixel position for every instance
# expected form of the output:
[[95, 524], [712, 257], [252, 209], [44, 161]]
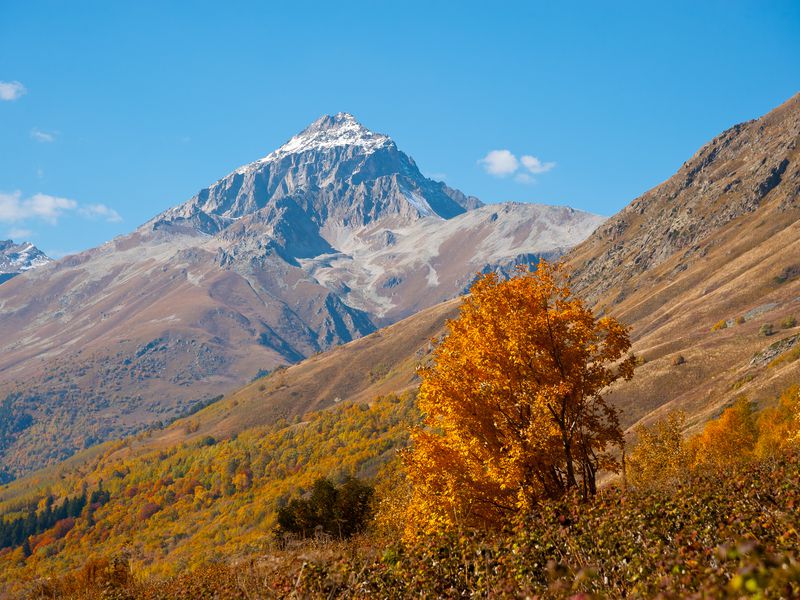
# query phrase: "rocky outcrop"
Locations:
[[732, 175]]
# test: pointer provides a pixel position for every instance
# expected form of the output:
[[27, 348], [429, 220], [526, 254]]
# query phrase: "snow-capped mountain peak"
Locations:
[[335, 173], [329, 131], [341, 129], [18, 258]]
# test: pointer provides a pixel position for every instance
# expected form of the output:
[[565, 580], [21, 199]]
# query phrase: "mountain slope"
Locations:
[[717, 242], [317, 244]]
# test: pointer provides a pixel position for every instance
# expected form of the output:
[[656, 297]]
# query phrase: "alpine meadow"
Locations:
[[330, 372]]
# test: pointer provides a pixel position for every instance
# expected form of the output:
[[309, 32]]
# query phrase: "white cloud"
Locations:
[[48, 208], [14, 208], [499, 163], [100, 211], [502, 163], [18, 234], [42, 136], [11, 90], [534, 165]]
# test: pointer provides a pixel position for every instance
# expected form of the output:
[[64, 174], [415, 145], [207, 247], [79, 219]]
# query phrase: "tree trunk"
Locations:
[[571, 481]]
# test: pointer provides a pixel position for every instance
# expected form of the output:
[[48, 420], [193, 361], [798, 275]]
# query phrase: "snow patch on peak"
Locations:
[[329, 131], [417, 201], [17, 258]]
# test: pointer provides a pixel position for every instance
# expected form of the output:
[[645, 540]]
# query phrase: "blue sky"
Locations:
[[113, 111]]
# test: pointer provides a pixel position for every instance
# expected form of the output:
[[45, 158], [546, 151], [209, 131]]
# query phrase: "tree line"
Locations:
[[15, 532]]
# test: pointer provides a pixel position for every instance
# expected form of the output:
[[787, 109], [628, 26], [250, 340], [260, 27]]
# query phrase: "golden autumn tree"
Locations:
[[512, 403], [728, 441], [779, 426], [661, 457]]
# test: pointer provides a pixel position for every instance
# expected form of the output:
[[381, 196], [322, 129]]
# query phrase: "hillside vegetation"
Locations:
[[174, 509], [486, 500], [720, 520]]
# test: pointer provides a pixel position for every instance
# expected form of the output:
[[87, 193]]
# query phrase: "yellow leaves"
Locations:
[[514, 397], [242, 481], [230, 488], [779, 427], [662, 456], [729, 439]]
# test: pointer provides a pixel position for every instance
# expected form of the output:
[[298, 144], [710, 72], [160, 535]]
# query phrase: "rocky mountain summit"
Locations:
[[332, 235], [355, 214], [338, 173], [18, 258]]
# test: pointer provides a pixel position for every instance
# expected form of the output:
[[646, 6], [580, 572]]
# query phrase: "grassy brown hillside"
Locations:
[[701, 266]]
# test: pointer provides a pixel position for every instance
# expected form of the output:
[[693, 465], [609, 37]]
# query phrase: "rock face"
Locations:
[[729, 177], [18, 258], [322, 241]]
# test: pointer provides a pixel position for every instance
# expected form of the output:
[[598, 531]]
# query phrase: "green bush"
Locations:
[[339, 511]]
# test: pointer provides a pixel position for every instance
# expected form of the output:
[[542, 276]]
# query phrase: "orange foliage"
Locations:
[[513, 409], [729, 440], [660, 457], [739, 436], [779, 427]]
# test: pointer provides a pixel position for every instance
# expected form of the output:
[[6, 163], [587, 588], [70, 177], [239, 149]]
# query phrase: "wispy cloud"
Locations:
[[100, 211], [43, 136], [534, 165], [14, 208], [503, 163], [11, 90], [524, 178], [19, 234], [39, 206]]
